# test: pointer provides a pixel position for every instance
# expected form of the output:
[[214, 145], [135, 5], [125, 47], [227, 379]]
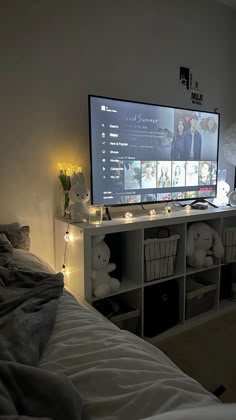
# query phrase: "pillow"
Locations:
[[18, 236], [6, 250], [14, 225], [25, 260]]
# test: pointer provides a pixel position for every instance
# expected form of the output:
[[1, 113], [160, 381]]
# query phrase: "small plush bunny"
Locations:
[[102, 282], [203, 243], [223, 189], [79, 195]]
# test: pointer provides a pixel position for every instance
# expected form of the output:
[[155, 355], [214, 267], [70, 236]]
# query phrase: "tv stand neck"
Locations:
[[107, 215]]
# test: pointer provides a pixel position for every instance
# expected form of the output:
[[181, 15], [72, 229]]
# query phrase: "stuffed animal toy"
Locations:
[[203, 242], [102, 282], [79, 195], [223, 189]]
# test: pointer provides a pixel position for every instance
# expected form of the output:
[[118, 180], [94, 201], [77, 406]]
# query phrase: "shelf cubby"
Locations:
[[126, 308], [127, 253]]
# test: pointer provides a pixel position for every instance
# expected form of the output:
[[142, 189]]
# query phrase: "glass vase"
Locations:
[[66, 203]]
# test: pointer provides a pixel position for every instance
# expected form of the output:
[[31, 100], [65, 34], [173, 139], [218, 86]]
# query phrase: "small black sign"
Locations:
[[196, 97], [184, 76]]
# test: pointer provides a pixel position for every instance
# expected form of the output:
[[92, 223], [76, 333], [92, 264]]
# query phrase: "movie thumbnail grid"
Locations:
[[169, 174]]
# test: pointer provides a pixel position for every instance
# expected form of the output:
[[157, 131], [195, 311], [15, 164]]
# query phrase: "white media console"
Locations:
[[125, 238]]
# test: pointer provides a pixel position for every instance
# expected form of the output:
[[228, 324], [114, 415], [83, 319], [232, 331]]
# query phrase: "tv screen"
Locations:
[[144, 153]]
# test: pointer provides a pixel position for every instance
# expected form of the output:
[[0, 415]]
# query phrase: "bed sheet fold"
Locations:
[[118, 375]]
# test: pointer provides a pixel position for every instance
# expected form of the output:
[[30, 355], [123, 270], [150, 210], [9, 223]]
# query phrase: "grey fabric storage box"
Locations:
[[160, 257], [229, 240], [127, 321], [200, 297]]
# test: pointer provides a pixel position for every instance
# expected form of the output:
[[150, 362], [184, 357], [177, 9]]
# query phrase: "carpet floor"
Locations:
[[207, 353]]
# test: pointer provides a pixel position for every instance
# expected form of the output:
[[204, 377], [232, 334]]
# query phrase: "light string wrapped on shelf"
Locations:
[[67, 238]]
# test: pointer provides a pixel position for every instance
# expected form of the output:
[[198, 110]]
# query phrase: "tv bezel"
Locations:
[[142, 203]]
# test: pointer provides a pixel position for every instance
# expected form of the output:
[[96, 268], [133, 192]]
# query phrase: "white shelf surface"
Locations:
[[194, 270], [124, 287], [163, 279], [141, 219]]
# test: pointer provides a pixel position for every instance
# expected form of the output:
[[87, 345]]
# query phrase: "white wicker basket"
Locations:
[[229, 240], [160, 255]]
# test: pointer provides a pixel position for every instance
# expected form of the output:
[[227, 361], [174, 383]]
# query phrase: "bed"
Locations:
[[81, 366]]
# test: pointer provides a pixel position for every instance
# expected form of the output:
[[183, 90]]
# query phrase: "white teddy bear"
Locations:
[[102, 282], [79, 195], [203, 242]]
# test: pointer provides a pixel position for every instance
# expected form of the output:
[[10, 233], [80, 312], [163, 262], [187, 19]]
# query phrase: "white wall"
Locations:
[[54, 53]]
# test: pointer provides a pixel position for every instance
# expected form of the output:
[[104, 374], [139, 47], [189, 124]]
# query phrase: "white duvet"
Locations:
[[118, 375]]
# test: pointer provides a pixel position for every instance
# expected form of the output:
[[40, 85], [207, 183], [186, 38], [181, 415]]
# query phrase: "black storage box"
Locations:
[[161, 307]]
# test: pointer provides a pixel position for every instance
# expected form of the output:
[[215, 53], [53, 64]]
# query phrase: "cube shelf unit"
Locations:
[[125, 238]]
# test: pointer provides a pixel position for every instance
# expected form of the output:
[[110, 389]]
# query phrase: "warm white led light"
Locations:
[[152, 212], [68, 237], [167, 209], [188, 208], [128, 215]]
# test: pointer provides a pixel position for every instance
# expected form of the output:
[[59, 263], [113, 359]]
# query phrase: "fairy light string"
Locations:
[[67, 240]]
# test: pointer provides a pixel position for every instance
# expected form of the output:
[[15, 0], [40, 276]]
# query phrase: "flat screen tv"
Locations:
[[145, 153]]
